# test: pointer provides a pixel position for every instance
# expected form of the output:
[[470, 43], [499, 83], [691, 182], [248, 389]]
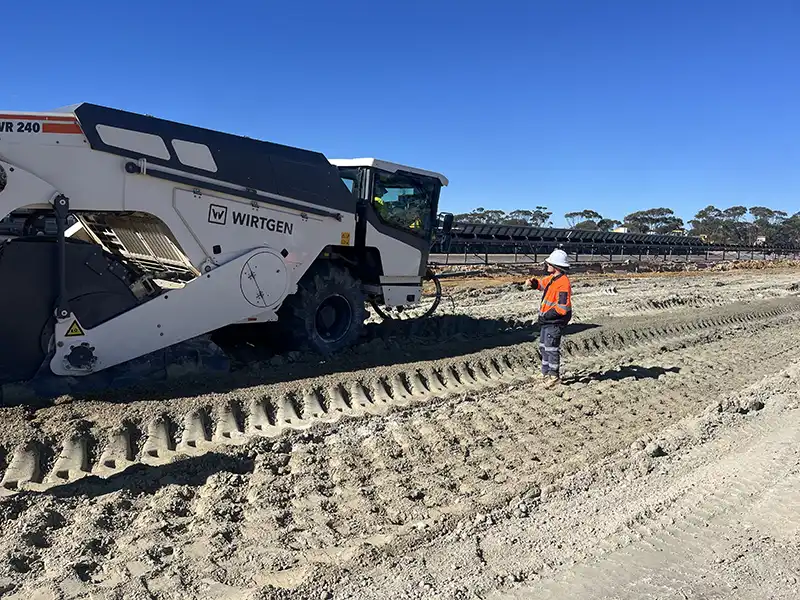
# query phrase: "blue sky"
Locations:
[[614, 105]]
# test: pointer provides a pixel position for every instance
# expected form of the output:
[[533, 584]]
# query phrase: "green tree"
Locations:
[[653, 220], [768, 222], [573, 218], [608, 224], [482, 216], [588, 225], [708, 221], [537, 217], [735, 230], [540, 216], [788, 231]]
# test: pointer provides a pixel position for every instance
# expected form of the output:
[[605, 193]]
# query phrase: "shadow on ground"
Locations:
[[192, 471], [254, 361], [624, 372]]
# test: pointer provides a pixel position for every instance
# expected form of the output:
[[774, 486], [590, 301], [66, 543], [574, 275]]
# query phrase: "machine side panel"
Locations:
[[304, 175], [91, 180], [397, 257], [225, 228], [402, 253], [248, 286], [22, 189]]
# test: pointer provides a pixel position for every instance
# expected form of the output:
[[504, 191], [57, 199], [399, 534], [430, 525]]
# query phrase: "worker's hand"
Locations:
[[531, 283]]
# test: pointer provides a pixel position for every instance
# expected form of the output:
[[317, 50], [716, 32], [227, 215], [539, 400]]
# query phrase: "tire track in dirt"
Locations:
[[598, 304], [689, 539], [89, 450], [290, 511], [625, 297], [459, 485], [436, 450], [491, 550]]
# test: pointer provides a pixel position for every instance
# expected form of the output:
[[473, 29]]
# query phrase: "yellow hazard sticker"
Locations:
[[74, 330], [345, 238]]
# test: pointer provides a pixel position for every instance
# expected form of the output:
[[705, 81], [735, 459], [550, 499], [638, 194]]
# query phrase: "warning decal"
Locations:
[[74, 330], [345, 238]]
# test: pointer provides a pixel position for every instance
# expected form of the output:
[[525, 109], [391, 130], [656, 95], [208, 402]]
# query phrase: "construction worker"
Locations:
[[555, 313], [380, 191]]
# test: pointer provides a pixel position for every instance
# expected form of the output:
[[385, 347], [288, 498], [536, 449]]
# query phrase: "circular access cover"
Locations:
[[264, 279]]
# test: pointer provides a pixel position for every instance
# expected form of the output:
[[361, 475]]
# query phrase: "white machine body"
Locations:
[[226, 226]]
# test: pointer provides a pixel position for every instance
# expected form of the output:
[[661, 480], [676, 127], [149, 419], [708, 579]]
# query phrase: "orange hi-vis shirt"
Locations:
[[556, 308]]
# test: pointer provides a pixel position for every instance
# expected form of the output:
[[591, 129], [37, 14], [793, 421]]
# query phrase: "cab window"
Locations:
[[350, 178], [403, 202]]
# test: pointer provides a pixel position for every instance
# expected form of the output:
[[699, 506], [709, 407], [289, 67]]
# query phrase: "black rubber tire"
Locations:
[[335, 287]]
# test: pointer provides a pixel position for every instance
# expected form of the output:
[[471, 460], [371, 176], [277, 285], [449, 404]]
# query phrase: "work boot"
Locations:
[[551, 380]]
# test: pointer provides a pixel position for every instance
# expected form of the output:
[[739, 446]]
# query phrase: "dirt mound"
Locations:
[[755, 264]]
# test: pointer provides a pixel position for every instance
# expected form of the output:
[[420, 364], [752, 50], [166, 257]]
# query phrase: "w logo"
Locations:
[[217, 214]]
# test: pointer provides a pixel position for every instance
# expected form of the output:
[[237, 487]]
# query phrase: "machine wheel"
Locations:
[[327, 313]]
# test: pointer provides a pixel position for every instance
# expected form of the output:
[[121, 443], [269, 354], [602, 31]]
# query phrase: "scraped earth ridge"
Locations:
[[668, 465]]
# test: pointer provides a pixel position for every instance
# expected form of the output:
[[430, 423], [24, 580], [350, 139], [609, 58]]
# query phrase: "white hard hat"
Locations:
[[558, 258]]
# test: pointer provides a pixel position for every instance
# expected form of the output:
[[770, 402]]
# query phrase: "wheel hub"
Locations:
[[333, 318]]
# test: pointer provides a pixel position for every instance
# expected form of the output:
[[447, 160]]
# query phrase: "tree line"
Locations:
[[733, 225]]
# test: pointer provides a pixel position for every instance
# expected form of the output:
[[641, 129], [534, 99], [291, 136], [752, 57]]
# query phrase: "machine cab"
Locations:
[[403, 198], [396, 222]]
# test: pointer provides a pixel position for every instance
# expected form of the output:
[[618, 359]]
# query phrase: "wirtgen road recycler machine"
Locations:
[[166, 233]]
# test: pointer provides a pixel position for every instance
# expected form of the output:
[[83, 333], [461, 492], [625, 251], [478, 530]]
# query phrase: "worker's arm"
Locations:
[[538, 284]]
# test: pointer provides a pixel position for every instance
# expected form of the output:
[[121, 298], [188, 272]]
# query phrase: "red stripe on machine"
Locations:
[[61, 128], [64, 119]]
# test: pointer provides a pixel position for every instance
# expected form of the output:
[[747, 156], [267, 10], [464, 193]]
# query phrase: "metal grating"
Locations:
[[140, 238]]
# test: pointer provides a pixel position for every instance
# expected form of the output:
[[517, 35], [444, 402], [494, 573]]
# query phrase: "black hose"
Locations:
[[429, 276]]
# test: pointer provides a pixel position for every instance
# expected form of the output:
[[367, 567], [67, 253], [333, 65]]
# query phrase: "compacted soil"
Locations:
[[429, 461]]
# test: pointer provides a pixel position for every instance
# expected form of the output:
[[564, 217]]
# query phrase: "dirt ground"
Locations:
[[429, 462]]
